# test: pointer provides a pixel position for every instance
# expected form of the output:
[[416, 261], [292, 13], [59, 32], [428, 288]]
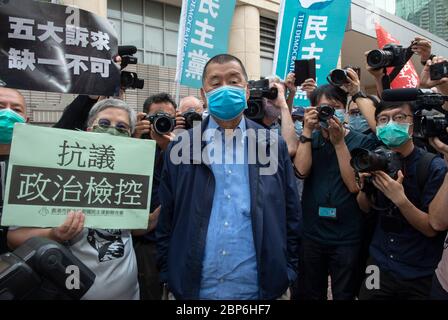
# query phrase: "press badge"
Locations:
[[329, 213]]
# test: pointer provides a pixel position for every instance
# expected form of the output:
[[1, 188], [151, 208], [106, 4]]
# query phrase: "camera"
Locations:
[[258, 90], [191, 117], [129, 80], [326, 112], [339, 77], [381, 159], [162, 122], [38, 270], [429, 126], [392, 55], [439, 70]]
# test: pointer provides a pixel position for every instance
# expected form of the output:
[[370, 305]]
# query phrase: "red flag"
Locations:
[[408, 77]]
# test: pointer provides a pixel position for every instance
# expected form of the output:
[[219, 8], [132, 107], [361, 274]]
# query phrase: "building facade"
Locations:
[[152, 26], [431, 15]]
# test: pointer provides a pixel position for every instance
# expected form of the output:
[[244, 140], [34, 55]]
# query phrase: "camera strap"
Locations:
[[387, 79]]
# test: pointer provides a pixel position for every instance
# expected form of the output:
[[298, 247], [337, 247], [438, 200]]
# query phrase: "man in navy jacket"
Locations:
[[228, 229]]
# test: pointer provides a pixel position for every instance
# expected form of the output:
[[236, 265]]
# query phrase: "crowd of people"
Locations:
[[224, 230]]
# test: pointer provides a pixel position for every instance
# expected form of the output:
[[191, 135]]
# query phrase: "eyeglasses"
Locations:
[[122, 127], [398, 118], [354, 112]]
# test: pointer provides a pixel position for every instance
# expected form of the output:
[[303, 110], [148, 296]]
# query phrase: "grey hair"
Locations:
[[112, 103]]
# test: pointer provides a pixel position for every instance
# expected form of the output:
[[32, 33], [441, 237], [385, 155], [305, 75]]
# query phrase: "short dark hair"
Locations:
[[374, 99], [329, 91], [386, 105], [222, 59], [162, 97]]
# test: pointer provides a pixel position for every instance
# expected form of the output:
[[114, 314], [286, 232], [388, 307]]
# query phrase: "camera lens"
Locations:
[[325, 113], [339, 77], [253, 109], [433, 126], [379, 58], [367, 161], [163, 125]]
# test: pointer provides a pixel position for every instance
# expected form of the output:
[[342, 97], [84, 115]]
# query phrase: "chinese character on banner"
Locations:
[[205, 26], [408, 77], [196, 64]]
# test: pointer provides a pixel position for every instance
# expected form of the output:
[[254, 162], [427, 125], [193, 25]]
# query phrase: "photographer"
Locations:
[[145, 243], [190, 107], [438, 218], [440, 85], [158, 104], [331, 217], [405, 247]]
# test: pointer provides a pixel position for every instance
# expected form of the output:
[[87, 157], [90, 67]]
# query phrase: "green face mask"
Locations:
[[8, 118], [110, 130], [393, 134]]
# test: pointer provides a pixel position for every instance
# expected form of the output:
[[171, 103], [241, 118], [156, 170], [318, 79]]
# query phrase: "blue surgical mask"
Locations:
[[298, 125], [393, 134], [226, 102], [358, 123], [8, 118], [340, 114]]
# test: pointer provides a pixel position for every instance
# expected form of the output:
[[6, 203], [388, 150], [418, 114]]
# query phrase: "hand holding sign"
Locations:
[[71, 227]]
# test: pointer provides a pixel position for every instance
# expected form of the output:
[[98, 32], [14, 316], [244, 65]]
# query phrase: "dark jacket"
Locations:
[[186, 196]]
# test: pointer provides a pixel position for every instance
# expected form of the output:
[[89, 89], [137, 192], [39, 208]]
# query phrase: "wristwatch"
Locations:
[[304, 139], [357, 95], [430, 58]]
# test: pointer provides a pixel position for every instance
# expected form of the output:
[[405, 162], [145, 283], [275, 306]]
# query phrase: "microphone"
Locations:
[[405, 94]]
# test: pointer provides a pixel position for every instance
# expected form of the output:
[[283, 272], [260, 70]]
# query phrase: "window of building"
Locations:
[[150, 26], [267, 45]]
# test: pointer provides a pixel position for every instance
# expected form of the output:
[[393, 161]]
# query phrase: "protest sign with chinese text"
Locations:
[[53, 171], [310, 29], [51, 47], [204, 33]]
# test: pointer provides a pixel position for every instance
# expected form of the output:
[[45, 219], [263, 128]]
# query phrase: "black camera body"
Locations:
[[129, 80], [438, 71], [38, 269], [429, 126], [258, 90], [163, 123], [191, 116], [392, 55]]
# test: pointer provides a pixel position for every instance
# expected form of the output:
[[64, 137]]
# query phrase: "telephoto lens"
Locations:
[[378, 59], [339, 77], [163, 123], [381, 159], [392, 55]]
